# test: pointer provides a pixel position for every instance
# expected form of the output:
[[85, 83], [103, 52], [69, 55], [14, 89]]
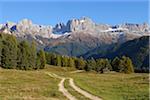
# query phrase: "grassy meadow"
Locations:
[[115, 86], [73, 92], [27, 85]]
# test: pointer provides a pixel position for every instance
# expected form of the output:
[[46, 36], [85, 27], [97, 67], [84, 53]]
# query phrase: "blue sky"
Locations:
[[50, 12]]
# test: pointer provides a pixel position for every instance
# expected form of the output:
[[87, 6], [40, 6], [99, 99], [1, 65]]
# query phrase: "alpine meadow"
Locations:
[[74, 50]]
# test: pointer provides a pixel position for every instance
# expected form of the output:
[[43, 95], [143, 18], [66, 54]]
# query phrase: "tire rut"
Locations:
[[76, 88]]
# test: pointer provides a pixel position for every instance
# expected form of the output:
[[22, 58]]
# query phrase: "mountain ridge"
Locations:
[[73, 25], [82, 33]]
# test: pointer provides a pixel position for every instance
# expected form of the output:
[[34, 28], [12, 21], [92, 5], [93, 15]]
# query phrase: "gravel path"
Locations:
[[64, 91], [86, 94], [76, 88], [61, 86]]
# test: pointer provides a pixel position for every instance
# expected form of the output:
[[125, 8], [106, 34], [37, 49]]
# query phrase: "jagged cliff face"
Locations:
[[85, 25], [26, 27], [82, 34]]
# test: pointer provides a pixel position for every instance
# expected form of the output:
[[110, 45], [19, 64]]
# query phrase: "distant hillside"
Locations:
[[137, 50]]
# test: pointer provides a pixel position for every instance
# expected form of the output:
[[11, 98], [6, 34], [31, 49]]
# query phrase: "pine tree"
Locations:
[[41, 61], [53, 59], [127, 65], [32, 55], [80, 63], [103, 65], [58, 60], [123, 65], [71, 62], [9, 52], [64, 61], [23, 55], [90, 65], [107, 64], [48, 58], [115, 64], [1, 47], [99, 65]]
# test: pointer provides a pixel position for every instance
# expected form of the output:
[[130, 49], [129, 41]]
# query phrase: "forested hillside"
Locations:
[[101, 65], [137, 50], [16, 54]]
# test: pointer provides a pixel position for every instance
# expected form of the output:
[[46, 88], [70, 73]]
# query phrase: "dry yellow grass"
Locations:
[[28, 85], [31, 85], [115, 86]]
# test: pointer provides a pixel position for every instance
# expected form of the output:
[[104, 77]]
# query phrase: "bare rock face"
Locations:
[[75, 25], [26, 27], [136, 27], [60, 28], [81, 32], [83, 24]]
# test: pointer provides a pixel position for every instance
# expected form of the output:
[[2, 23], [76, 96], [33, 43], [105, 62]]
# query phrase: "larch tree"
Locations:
[[41, 59], [23, 55], [58, 60], [71, 62], [32, 55], [9, 52]]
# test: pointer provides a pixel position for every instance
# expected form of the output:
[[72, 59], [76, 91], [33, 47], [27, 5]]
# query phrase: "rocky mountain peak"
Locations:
[[9, 24], [75, 28], [25, 22], [60, 28], [81, 24], [74, 25]]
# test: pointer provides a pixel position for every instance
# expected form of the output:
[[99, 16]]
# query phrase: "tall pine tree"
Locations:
[[9, 52], [1, 46], [41, 61], [80, 63], [58, 60], [23, 55], [32, 55], [71, 62], [127, 65]]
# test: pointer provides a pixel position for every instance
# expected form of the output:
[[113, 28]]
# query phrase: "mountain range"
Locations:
[[80, 37], [83, 26]]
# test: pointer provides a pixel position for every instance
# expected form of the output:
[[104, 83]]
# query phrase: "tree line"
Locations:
[[20, 55], [123, 64], [24, 56]]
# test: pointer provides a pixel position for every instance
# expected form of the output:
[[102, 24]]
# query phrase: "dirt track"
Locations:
[[86, 94], [76, 88]]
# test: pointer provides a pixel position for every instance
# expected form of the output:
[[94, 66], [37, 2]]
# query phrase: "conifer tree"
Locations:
[[48, 57], [58, 60], [108, 64], [103, 65], [80, 63], [23, 55], [127, 65], [41, 61], [99, 65], [53, 59], [71, 62], [123, 65], [9, 52], [64, 61], [32, 55], [1, 46], [90, 65], [115, 64]]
